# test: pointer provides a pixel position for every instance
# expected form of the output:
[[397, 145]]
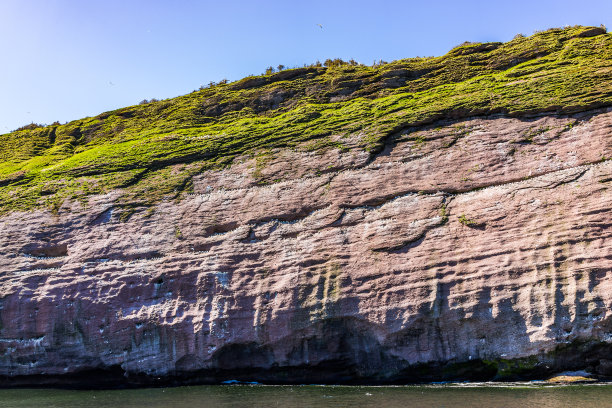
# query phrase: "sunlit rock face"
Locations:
[[478, 249]]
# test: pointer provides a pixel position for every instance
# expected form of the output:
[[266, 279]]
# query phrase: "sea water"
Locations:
[[447, 395]]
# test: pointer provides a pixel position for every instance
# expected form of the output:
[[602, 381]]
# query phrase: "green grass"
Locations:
[[151, 151]]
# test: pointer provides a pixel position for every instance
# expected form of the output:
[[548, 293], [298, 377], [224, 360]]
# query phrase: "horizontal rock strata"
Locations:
[[478, 249]]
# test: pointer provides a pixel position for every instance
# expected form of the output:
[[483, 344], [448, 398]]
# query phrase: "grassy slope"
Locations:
[[151, 151]]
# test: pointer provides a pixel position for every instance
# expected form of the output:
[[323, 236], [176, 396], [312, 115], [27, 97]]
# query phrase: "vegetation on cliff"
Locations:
[[151, 151]]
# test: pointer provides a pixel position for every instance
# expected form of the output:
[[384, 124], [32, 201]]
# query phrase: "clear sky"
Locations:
[[66, 59]]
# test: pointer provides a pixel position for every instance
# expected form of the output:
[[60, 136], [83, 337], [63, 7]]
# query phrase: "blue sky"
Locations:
[[66, 59]]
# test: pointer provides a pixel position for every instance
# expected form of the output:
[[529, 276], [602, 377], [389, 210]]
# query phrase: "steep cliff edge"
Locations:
[[431, 219]]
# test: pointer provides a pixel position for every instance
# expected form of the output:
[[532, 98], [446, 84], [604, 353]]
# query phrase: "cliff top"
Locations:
[[152, 151]]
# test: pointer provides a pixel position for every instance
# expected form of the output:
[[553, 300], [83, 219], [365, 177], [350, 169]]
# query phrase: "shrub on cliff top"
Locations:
[[30, 126]]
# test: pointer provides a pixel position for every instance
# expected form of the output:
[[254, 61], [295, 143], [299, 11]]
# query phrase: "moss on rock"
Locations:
[[133, 148]]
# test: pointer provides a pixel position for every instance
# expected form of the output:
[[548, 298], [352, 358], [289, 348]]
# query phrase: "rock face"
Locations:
[[479, 249]]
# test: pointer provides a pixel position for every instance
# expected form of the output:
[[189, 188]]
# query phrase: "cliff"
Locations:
[[427, 219]]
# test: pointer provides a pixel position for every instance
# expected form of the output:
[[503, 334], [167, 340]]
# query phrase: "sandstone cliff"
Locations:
[[463, 243]]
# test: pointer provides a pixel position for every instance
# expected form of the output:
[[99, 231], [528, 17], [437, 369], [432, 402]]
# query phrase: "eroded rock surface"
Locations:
[[477, 249]]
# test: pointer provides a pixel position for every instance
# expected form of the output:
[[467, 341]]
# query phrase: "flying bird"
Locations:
[[110, 83], [320, 26]]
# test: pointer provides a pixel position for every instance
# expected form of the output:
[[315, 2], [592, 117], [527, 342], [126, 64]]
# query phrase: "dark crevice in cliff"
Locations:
[[103, 217], [558, 183], [405, 245], [47, 251], [131, 257]]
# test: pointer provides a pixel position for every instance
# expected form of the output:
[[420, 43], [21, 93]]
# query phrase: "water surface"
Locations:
[[455, 396]]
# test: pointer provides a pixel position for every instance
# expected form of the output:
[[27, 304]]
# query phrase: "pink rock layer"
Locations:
[[461, 251]]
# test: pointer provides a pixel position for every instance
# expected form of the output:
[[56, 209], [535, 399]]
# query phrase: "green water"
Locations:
[[591, 396]]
